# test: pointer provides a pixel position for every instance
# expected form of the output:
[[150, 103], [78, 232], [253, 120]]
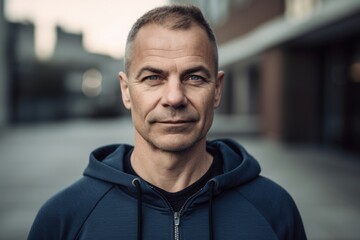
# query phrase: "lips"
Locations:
[[176, 127], [176, 121], [168, 117]]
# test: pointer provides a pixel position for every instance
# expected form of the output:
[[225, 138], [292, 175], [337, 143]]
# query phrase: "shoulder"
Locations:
[[84, 192], [263, 189], [62, 216], [268, 197], [276, 205]]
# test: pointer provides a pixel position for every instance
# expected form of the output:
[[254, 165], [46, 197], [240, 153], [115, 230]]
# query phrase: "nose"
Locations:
[[174, 94]]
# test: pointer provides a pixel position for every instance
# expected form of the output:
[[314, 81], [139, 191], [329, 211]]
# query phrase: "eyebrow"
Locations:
[[149, 69], [183, 74], [196, 69]]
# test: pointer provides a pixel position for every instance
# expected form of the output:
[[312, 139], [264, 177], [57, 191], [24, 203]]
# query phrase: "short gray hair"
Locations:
[[173, 17]]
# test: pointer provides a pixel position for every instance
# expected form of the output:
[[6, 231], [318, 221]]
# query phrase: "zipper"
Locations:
[[176, 214], [176, 225]]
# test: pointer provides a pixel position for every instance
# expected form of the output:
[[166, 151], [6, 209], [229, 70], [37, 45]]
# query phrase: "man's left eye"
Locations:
[[195, 78]]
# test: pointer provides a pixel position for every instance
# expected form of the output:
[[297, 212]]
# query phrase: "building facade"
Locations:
[[292, 66], [71, 83]]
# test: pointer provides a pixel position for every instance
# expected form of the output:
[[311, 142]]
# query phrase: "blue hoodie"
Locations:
[[107, 203]]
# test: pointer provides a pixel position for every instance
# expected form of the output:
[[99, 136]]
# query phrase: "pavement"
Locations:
[[39, 160]]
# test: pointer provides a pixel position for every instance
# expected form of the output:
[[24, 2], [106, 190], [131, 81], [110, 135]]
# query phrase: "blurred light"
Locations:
[[355, 72], [300, 9], [92, 83]]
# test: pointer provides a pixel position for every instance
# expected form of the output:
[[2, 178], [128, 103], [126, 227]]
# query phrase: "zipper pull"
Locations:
[[177, 219], [176, 227]]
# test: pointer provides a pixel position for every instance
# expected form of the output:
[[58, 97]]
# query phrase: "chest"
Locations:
[[240, 222]]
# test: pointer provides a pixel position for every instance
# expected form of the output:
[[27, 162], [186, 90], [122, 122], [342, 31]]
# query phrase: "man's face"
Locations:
[[172, 88]]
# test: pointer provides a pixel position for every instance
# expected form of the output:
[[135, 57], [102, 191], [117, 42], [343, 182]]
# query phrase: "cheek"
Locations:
[[209, 105], [208, 98], [205, 104], [138, 108], [142, 104], [135, 102]]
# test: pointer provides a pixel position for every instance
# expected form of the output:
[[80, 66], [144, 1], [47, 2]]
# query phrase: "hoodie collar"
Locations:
[[239, 167]]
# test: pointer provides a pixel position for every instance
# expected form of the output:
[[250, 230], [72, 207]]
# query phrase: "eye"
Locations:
[[195, 78], [152, 77], [152, 80]]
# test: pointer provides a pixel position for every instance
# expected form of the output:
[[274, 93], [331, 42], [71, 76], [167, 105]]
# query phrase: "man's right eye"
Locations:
[[152, 78]]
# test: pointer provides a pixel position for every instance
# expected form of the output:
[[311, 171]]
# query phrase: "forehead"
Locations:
[[155, 43]]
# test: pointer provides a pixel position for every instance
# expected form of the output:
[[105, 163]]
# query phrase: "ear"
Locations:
[[218, 88], [124, 86]]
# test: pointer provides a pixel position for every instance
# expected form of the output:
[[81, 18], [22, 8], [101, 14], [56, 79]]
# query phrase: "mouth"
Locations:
[[176, 127], [177, 122]]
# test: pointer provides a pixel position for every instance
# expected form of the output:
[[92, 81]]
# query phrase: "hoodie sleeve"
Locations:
[[277, 207], [63, 215], [48, 222]]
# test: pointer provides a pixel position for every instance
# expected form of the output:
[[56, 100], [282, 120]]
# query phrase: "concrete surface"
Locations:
[[37, 161]]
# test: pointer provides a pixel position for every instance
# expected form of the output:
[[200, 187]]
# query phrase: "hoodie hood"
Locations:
[[239, 167]]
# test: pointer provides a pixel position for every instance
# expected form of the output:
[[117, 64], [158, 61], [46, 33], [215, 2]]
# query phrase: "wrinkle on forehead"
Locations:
[[172, 54], [187, 49], [156, 43]]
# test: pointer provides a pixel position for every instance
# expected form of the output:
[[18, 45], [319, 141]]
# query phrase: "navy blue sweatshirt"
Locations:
[[107, 203]]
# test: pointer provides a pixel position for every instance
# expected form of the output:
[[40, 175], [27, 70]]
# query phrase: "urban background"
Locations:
[[292, 95]]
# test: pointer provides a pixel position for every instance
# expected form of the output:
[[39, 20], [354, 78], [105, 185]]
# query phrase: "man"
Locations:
[[172, 184]]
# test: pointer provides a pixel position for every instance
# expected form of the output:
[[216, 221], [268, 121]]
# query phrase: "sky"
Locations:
[[103, 23]]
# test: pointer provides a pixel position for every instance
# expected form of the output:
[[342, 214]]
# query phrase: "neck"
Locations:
[[171, 171]]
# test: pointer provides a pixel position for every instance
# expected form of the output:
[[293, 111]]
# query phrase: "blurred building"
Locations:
[[293, 66], [3, 70], [69, 83]]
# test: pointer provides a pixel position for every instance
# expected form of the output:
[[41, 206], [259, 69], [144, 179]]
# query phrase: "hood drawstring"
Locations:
[[136, 183], [211, 227]]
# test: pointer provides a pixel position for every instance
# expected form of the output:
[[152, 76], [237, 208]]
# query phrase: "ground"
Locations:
[[39, 160]]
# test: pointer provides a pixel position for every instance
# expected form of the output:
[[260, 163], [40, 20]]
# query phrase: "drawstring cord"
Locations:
[[136, 183], [211, 224]]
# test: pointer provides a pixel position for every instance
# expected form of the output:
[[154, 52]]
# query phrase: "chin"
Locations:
[[173, 148], [175, 144]]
